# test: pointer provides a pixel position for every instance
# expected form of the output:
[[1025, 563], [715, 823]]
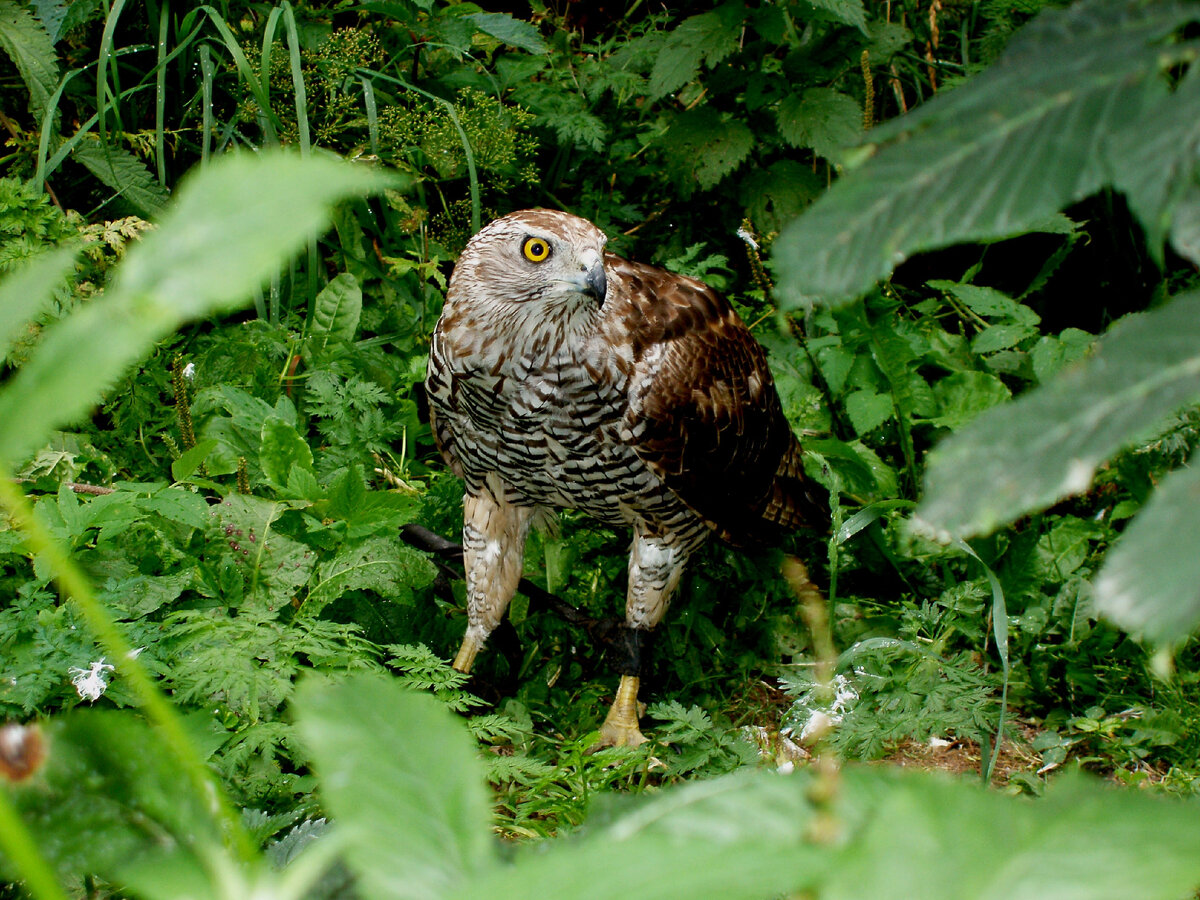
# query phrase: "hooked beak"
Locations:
[[593, 283]]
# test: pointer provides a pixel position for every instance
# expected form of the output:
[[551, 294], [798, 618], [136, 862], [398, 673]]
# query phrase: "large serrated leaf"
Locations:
[[32, 51], [125, 174], [850, 12], [1045, 446], [510, 30], [702, 147], [210, 253], [1156, 163], [399, 773], [734, 838], [111, 798], [994, 157], [379, 564], [821, 118], [884, 834], [939, 839], [1150, 582], [707, 38]]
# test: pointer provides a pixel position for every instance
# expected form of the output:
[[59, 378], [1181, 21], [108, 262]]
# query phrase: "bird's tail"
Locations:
[[795, 500]]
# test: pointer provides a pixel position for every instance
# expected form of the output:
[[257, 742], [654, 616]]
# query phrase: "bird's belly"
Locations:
[[556, 443]]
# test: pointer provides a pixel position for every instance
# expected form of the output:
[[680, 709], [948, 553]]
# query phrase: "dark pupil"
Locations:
[[537, 248]]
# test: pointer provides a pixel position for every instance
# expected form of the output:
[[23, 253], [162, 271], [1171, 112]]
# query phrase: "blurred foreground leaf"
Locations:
[[1001, 154], [1150, 582], [1046, 445], [230, 227], [400, 774]]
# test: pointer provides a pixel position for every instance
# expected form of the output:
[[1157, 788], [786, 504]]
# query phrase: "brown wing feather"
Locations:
[[704, 412]]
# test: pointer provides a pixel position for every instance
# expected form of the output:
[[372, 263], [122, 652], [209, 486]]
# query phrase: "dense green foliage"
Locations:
[[211, 434]]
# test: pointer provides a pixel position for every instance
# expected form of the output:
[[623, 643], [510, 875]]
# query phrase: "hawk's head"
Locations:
[[539, 258]]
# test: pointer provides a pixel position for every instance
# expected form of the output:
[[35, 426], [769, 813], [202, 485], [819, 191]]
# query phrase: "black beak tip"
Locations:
[[597, 283]]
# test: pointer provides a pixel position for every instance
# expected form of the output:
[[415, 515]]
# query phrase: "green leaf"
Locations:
[[191, 460], [209, 254], [25, 292], [32, 51], [111, 798], [707, 38], [988, 302], [125, 174], [337, 310], [1001, 337], [702, 147], [282, 448], [993, 158], [1046, 446], [777, 194], [398, 772], [734, 837], [512, 31], [1156, 163], [933, 837], [868, 409], [1150, 582], [961, 396], [850, 12], [271, 567], [384, 565], [1050, 354], [821, 118]]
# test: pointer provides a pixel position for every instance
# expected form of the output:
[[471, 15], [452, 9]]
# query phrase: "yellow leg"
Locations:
[[620, 728], [466, 653]]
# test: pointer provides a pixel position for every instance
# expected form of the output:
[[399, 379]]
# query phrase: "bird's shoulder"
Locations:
[[702, 410]]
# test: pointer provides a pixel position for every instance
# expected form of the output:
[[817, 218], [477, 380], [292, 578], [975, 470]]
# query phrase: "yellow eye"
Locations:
[[535, 249]]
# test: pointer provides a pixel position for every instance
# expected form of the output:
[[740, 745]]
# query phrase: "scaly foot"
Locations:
[[620, 728]]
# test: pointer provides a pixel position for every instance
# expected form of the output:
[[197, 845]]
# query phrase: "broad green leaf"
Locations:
[[31, 50], [988, 302], [702, 147], [740, 836], [273, 567], [1050, 354], [238, 434], [1046, 445], [868, 409], [821, 118], [111, 797], [1185, 227], [25, 292], [125, 174], [215, 248], [191, 460], [993, 158], [337, 310], [936, 838], [209, 254], [383, 565], [707, 38], [1150, 582], [1001, 337], [510, 30], [399, 773], [777, 194], [282, 448], [850, 12], [961, 396], [1156, 163]]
